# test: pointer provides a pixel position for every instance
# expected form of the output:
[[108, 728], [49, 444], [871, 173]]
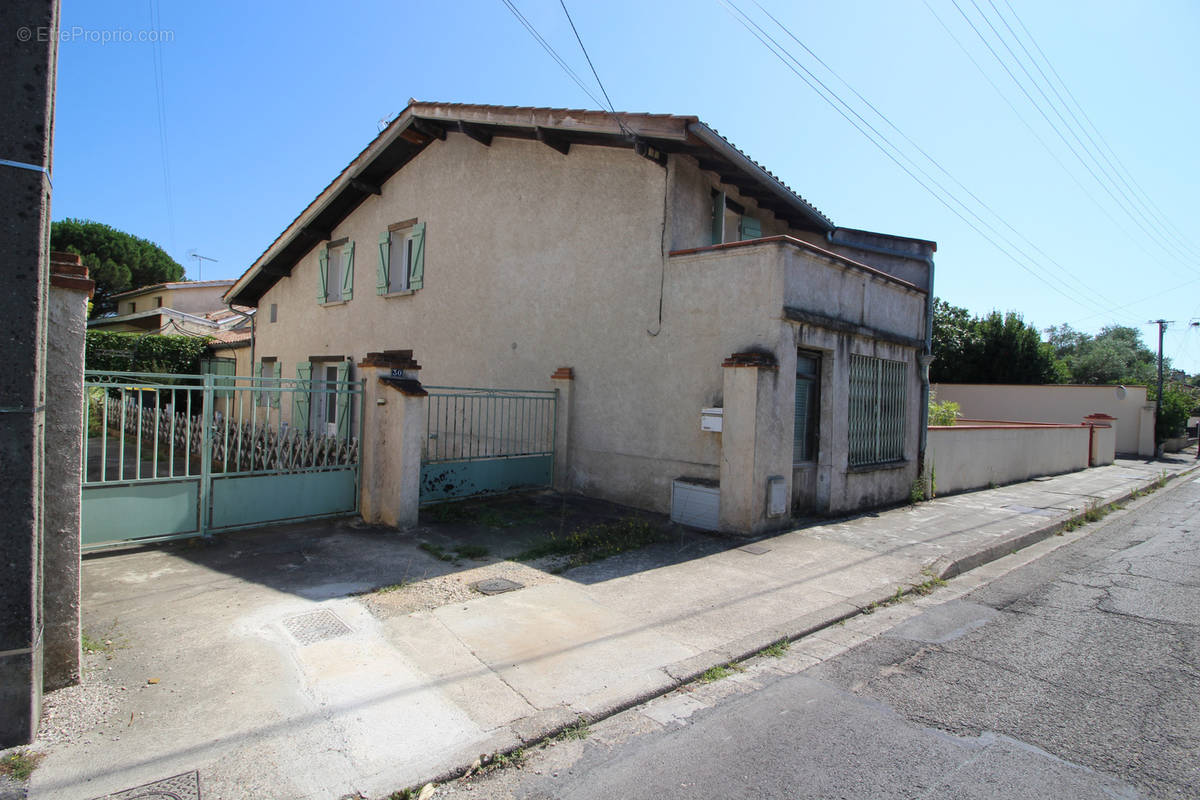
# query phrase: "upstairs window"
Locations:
[[878, 393], [401, 258], [336, 277]]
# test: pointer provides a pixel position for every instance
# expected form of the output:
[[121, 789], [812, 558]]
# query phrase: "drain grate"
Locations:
[[185, 786], [496, 586], [316, 626]]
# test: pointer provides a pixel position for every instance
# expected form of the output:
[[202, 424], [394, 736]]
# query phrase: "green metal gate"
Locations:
[[172, 456], [481, 441]]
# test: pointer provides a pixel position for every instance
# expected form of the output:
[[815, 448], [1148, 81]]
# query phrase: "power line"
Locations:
[[883, 144], [1133, 213], [1123, 171], [160, 96], [1078, 281], [550, 50], [595, 74]]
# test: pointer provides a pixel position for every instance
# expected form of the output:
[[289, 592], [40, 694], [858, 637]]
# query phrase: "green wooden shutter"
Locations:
[[343, 401], [751, 228], [348, 272], [323, 277], [302, 397], [382, 276], [718, 218], [416, 270]]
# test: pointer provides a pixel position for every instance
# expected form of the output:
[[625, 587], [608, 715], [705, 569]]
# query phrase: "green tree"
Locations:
[[1115, 355], [996, 348], [117, 261]]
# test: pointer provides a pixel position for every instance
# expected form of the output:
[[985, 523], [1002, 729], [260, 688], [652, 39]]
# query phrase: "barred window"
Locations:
[[878, 390]]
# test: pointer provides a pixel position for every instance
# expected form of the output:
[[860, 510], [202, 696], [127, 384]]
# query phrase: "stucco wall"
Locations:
[[192, 300], [536, 260], [1061, 404], [965, 457]]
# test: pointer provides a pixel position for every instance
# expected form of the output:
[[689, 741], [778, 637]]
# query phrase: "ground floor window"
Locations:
[[878, 391], [808, 379]]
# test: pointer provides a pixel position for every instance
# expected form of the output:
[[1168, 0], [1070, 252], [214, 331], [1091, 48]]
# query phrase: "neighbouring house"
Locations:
[[181, 307], [708, 329], [188, 308]]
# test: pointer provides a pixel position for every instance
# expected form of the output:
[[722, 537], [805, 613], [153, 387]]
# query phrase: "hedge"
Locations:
[[143, 352]]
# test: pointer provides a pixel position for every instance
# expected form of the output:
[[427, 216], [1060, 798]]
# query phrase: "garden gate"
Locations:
[[481, 441], [169, 456]]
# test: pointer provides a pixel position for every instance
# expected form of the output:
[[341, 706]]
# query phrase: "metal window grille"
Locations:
[[878, 391]]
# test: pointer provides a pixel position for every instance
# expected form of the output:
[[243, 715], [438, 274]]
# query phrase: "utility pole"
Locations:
[[1162, 326]]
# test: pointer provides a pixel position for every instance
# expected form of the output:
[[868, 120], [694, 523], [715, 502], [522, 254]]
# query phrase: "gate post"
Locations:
[[393, 438], [564, 382], [756, 444], [70, 289]]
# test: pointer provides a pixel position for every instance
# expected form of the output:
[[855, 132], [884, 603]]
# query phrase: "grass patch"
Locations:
[[596, 542], [713, 674], [776, 650], [576, 731], [472, 551], [19, 765], [456, 553], [393, 587], [436, 551]]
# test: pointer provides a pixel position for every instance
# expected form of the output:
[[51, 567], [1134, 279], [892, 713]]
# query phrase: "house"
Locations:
[[188, 308], [720, 334]]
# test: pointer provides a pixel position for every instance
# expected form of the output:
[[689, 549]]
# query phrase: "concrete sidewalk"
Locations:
[[277, 681]]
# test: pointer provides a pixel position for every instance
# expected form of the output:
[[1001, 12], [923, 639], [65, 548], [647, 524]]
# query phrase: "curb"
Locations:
[[952, 568], [529, 734]]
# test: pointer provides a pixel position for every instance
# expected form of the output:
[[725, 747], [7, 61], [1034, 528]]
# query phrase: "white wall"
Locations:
[[965, 457], [1061, 404]]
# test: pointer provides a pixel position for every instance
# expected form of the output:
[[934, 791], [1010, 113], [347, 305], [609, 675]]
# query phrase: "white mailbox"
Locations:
[[711, 419]]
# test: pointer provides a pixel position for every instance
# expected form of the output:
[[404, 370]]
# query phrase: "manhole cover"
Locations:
[[754, 549], [185, 786], [316, 626], [497, 586]]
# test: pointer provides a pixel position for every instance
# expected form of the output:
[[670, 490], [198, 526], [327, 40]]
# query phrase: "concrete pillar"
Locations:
[[756, 444], [28, 61], [564, 382], [393, 438], [70, 289]]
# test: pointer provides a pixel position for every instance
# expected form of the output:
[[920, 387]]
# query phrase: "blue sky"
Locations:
[[261, 104]]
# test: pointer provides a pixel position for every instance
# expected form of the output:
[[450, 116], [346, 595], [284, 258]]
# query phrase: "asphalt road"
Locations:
[[1076, 676]]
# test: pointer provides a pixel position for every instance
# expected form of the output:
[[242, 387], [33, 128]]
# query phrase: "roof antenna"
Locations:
[[199, 262]]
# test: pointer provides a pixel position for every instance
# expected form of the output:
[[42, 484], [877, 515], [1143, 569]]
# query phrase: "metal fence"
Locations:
[[466, 424]]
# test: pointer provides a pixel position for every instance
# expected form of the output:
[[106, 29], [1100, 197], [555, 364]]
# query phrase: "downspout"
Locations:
[[927, 356], [251, 318]]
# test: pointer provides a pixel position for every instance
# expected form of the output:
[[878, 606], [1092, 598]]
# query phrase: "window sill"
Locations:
[[401, 293], [329, 303], [882, 465]]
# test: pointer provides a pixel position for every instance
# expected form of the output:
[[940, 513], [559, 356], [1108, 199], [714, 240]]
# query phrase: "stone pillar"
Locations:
[[756, 444], [28, 61], [70, 289], [564, 382], [393, 438]]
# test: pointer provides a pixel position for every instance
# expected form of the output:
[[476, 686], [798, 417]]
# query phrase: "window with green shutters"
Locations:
[[804, 436], [401, 258], [878, 393], [335, 278]]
